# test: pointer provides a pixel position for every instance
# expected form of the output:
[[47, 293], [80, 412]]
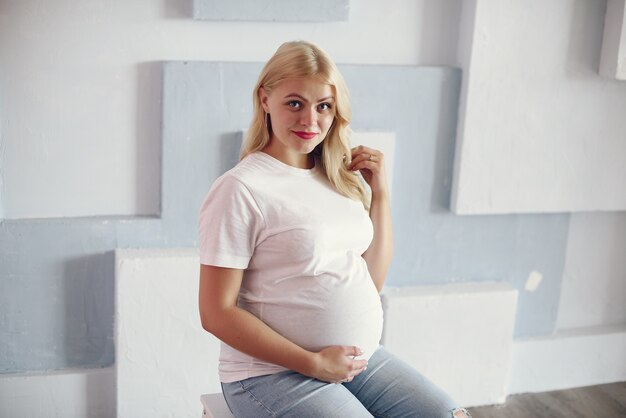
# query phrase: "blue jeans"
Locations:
[[389, 388]]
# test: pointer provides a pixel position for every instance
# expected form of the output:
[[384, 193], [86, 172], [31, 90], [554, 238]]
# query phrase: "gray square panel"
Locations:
[[272, 10]]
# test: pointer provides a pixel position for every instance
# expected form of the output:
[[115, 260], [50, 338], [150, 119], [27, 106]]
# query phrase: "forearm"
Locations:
[[245, 332], [378, 255]]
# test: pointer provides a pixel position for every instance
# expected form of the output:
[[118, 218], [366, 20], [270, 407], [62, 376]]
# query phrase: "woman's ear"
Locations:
[[263, 99]]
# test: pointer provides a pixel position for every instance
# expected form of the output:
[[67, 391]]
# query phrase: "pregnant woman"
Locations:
[[294, 252]]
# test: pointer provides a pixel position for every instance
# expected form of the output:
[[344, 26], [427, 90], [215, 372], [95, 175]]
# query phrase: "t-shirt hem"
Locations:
[[238, 376]]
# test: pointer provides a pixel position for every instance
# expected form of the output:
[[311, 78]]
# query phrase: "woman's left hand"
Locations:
[[371, 164]]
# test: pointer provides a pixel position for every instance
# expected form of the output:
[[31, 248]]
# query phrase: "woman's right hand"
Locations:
[[337, 364]]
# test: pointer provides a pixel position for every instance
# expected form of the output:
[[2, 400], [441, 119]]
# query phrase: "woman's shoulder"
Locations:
[[247, 173], [246, 170]]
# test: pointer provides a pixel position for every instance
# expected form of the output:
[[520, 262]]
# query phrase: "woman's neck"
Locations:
[[294, 159]]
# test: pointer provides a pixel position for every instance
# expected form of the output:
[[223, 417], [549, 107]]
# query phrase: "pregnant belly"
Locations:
[[343, 318]]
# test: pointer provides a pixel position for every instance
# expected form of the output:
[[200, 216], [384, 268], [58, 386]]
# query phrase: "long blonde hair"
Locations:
[[300, 59]]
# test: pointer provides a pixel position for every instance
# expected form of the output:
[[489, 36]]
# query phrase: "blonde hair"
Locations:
[[300, 59]]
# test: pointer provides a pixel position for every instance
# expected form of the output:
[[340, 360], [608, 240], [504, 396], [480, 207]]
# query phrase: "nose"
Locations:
[[308, 117]]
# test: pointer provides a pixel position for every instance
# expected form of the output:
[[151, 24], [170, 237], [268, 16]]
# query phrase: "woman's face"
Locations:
[[301, 113]]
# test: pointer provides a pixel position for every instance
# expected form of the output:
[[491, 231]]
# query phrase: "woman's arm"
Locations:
[[220, 315], [371, 164]]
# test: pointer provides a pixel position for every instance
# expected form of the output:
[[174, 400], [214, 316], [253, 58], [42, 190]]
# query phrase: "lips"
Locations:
[[305, 135]]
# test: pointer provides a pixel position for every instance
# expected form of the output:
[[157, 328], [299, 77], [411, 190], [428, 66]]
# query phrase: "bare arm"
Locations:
[[220, 315], [378, 255]]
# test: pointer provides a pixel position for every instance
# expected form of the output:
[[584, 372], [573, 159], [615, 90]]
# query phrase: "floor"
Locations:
[[602, 401]]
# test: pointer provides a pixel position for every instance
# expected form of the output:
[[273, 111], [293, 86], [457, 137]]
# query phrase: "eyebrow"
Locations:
[[304, 99]]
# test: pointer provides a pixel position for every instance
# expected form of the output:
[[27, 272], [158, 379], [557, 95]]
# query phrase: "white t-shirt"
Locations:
[[300, 243]]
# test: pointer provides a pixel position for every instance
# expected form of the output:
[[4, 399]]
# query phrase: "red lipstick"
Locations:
[[305, 135]]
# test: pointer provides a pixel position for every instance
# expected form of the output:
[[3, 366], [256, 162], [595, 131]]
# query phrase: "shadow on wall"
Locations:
[[229, 146], [148, 137], [100, 394], [585, 41], [177, 9], [443, 165], [89, 310]]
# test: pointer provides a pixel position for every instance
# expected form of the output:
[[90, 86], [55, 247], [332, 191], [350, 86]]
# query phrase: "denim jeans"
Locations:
[[389, 388]]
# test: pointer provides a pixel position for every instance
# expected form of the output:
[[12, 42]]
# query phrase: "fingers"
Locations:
[[366, 158], [338, 364], [371, 164], [352, 350], [358, 367], [355, 367]]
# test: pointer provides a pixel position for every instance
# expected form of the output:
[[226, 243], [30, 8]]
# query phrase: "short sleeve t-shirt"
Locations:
[[300, 243]]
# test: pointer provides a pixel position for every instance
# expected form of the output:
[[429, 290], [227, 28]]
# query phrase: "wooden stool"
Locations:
[[214, 406]]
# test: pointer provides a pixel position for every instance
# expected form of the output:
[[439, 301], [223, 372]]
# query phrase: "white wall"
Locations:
[[508, 144], [540, 130], [165, 360], [80, 112], [151, 378], [79, 109]]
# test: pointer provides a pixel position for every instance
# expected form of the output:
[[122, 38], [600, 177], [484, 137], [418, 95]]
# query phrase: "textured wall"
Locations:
[[164, 359], [433, 328], [432, 245], [80, 108], [68, 286], [157, 320], [540, 130]]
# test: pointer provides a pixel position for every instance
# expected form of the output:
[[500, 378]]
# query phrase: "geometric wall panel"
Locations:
[[57, 275], [539, 129], [164, 359], [431, 244], [449, 314], [272, 10]]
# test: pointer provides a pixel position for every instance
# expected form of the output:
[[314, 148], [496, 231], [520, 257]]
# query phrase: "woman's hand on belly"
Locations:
[[336, 364]]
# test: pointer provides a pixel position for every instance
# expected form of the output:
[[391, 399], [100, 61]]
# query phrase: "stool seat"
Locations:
[[214, 406]]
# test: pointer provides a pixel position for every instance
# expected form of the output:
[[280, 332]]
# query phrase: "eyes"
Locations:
[[297, 105], [324, 106]]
